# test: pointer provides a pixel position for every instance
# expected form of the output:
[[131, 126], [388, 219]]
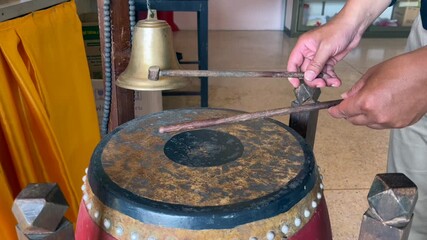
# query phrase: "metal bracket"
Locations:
[[305, 123], [391, 199], [39, 209]]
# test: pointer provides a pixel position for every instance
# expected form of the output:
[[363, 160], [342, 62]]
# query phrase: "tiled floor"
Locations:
[[349, 156]]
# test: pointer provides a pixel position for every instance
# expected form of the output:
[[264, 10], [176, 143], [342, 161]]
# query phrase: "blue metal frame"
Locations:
[[201, 7]]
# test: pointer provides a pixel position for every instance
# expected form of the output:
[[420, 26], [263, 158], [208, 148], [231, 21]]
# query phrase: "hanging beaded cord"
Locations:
[[107, 55]]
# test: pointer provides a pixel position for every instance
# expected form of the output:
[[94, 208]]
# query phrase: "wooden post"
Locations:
[[122, 103]]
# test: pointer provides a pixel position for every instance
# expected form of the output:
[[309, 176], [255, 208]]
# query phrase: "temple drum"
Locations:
[[248, 181]]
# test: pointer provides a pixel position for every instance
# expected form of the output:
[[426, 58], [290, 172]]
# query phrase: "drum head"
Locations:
[[213, 178]]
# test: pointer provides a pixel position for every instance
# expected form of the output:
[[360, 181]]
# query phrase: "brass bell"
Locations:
[[152, 45]]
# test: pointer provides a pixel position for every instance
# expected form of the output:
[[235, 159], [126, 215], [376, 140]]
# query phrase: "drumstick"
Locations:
[[247, 116]]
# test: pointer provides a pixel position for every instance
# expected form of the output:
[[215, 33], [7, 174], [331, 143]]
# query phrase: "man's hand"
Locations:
[[319, 50], [392, 94]]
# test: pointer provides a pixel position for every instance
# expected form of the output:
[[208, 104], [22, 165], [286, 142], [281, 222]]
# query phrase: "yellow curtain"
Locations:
[[48, 121]]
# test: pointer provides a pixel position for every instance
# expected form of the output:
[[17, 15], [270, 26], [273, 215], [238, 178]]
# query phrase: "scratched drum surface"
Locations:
[[218, 166], [218, 177]]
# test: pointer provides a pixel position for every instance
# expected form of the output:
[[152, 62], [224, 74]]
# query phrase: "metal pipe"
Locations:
[[154, 73]]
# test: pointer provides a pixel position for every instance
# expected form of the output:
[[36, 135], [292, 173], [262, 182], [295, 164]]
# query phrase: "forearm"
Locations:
[[359, 14], [413, 65]]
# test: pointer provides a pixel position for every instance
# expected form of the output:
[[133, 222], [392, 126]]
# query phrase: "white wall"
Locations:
[[238, 15]]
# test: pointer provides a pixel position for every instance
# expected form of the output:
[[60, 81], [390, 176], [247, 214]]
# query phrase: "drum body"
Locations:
[[254, 180]]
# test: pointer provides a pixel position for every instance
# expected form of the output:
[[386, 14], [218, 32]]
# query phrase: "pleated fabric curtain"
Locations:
[[48, 120]]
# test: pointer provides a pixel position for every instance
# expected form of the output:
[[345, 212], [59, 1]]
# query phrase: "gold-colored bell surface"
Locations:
[[152, 45]]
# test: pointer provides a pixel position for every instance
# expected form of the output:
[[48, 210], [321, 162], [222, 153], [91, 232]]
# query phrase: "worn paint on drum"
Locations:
[[134, 159], [131, 174], [311, 212]]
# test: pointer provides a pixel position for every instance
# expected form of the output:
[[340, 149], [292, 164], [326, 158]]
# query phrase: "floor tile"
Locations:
[[346, 208]]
